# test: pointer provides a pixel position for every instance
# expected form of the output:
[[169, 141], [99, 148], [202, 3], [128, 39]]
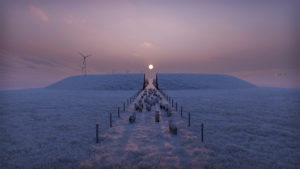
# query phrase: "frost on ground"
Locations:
[[53, 128], [149, 144], [250, 127], [247, 128], [56, 129]]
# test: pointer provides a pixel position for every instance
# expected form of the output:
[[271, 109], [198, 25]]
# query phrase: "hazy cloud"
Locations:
[[42, 62], [38, 12], [135, 54], [147, 44], [77, 21]]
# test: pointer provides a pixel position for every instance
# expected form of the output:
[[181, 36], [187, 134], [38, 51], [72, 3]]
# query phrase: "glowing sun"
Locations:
[[150, 66]]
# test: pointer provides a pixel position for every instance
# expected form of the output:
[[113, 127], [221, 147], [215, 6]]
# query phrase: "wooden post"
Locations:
[[144, 86], [202, 128], [156, 116], [110, 120], [176, 106], [156, 80], [172, 102], [124, 106], [119, 112], [189, 119], [97, 131], [181, 111]]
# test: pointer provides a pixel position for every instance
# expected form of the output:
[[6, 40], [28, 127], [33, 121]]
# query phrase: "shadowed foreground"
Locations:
[[147, 144]]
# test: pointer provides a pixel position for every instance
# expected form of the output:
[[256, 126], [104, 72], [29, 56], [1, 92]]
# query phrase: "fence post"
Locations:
[[119, 112], [181, 111], [172, 102], [176, 106], [124, 106], [189, 119], [110, 120], [97, 131], [202, 128]]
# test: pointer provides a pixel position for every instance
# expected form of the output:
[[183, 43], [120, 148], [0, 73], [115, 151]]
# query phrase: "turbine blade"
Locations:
[[81, 54]]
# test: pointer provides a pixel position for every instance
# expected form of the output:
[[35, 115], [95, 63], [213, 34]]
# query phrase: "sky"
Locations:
[[257, 40]]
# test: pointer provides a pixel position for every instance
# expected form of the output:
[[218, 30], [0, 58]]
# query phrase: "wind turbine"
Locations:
[[83, 68]]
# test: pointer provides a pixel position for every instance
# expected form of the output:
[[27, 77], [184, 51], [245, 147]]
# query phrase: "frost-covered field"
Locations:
[[247, 128], [147, 143], [200, 81], [43, 128]]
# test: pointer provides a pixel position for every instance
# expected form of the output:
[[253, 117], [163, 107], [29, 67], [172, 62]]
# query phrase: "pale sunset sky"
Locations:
[[255, 40]]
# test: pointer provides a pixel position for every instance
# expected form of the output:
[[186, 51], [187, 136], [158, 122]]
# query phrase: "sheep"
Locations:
[[148, 107], [132, 118], [172, 127], [169, 112], [138, 107]]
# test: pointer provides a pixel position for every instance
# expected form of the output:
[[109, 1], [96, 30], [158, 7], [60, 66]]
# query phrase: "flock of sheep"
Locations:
[[148, 99]]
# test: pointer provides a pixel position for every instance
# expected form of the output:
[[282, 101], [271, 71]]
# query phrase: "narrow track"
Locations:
[[149, 144]]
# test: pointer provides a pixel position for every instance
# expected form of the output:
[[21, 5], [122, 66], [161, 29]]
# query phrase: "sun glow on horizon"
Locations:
[[150, 66]]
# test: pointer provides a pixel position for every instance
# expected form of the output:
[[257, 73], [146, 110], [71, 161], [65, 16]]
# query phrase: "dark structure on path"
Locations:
[[156, 82]]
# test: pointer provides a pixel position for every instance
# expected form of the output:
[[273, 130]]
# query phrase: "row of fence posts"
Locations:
[[110, 114], [132, 98], [171, 101]]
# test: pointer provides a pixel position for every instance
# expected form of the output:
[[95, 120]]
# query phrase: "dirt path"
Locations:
[[148, 144]]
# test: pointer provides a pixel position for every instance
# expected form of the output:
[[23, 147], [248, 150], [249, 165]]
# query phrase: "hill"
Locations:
[[200, 81], [100, 82]]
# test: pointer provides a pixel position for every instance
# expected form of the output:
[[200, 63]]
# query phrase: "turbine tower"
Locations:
[[83, 67]]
